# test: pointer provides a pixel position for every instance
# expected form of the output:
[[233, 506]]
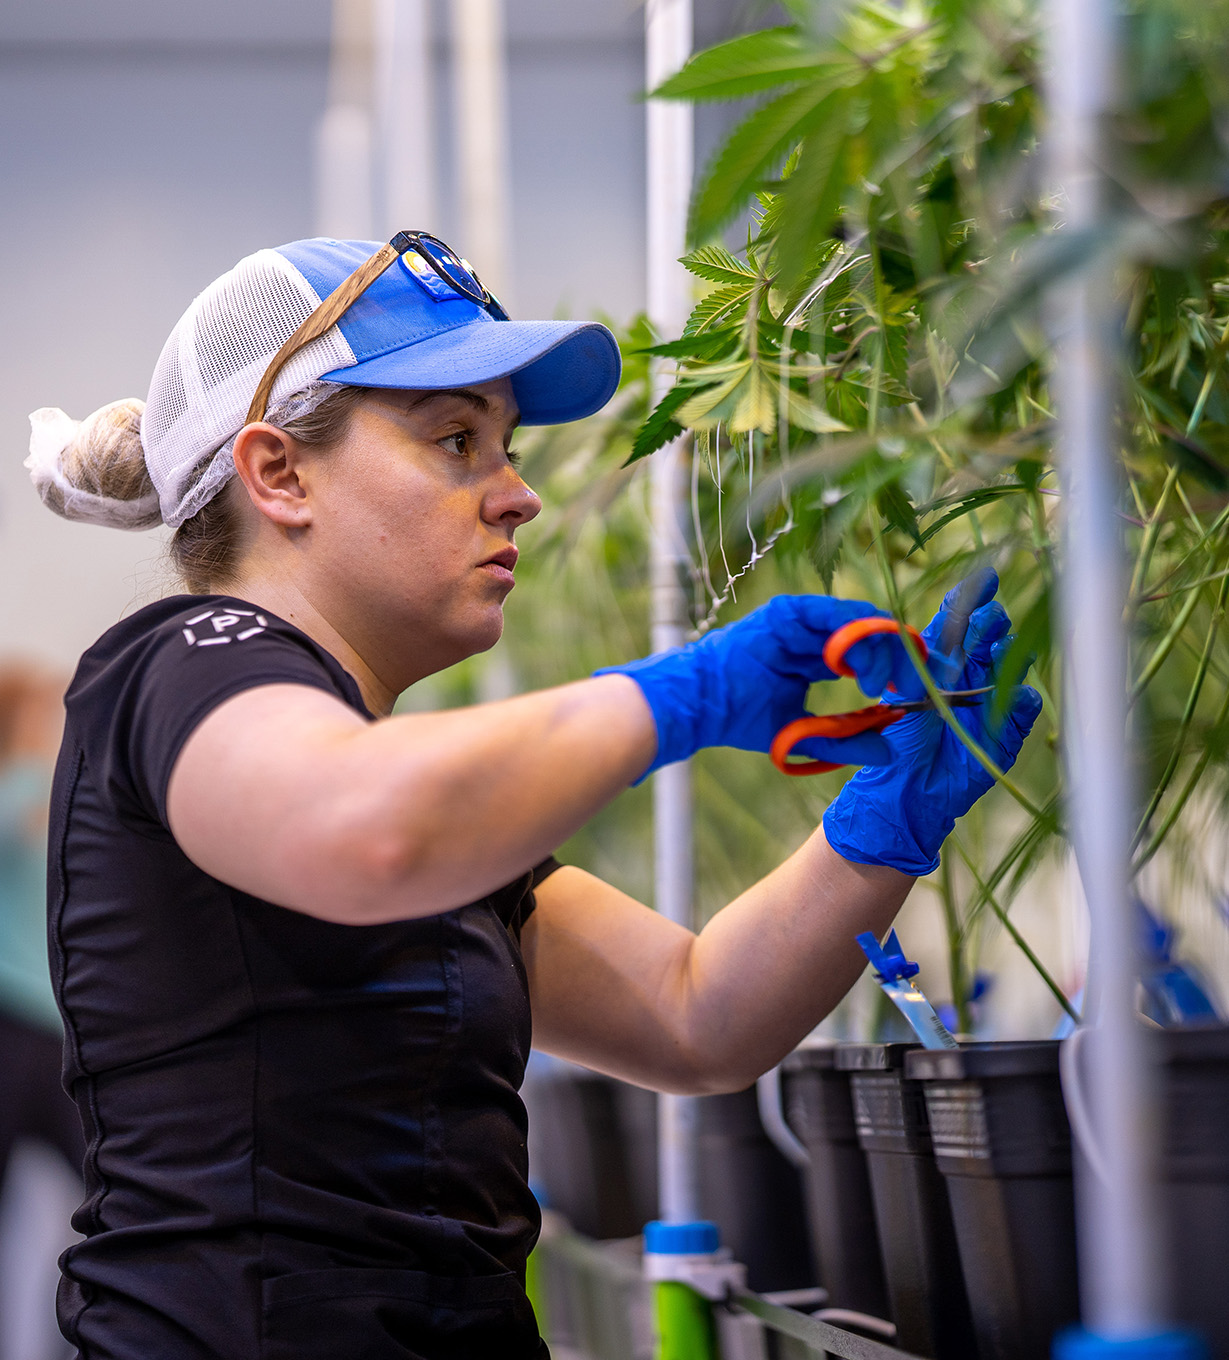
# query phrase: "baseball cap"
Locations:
[[409, 329]]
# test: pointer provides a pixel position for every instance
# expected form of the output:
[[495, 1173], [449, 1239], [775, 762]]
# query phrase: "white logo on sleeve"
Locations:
[[216, 626]]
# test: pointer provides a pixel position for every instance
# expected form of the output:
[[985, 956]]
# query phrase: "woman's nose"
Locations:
[[510, 500]]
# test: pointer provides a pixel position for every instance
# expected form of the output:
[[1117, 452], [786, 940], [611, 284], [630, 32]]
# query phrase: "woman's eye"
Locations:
[[458, 443]]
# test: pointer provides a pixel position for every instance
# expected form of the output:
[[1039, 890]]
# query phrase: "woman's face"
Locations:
[[412, 525]]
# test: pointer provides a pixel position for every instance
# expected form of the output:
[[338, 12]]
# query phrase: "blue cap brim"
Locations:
[[560, 370]]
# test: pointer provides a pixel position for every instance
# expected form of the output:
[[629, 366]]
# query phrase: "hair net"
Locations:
[[77, 466]]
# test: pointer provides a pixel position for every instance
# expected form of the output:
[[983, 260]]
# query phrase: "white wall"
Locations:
[[146, 145]]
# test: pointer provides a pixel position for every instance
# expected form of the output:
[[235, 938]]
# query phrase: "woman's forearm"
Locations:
[[768, 968], [624, 990]]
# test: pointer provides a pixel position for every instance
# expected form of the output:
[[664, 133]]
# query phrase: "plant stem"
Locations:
[[1217, 527], [1151, 530], [956, 972], [1021, 942], [1023, 843], [1188, 714], [1191, 585], [936, 695], [1166, 645], [1175, 810]]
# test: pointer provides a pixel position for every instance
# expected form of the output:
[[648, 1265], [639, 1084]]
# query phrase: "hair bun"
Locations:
[[94, 470]]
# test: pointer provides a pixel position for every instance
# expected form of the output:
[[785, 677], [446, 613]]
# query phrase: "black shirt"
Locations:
[[304, 1138]]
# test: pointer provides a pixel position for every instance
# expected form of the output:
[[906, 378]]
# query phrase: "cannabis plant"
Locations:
[[865, 379]]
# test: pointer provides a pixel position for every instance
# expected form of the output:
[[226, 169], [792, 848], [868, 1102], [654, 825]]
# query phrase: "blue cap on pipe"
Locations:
[[700, 1238], [1078, 1344]]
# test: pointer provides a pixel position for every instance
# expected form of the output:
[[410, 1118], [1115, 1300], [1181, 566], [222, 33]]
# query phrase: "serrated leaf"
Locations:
[[743, 66], [661, 427], [750, 153], [756, 407], [698, 409], [806, 415], [963, 505], [703, 345], [893, 504], [719, 307], [811, 197], [715, 263]]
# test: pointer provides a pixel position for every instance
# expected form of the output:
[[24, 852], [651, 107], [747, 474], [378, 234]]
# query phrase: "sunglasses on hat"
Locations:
[[420, 251]]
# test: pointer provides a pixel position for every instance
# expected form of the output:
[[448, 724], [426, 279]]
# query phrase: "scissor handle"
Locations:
[[873, 718], [849, 634]]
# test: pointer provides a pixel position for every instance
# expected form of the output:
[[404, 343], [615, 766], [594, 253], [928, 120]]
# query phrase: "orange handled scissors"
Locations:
[[873, 718]]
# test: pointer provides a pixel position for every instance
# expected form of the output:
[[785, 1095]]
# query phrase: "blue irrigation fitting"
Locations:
[[1077, 1344], [888, 960], [699, 1238], [691, 1254]]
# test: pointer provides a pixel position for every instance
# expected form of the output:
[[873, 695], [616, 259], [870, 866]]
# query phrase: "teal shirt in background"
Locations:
[[25, 977]]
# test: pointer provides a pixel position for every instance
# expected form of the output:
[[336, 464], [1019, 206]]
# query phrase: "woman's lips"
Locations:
[[500, 565], [499, 573]]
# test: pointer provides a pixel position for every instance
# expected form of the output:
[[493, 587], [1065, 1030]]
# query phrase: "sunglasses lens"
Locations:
[[451, 267]]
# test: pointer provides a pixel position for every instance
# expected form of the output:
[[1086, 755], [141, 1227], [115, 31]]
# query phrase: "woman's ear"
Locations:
[[267, 461]]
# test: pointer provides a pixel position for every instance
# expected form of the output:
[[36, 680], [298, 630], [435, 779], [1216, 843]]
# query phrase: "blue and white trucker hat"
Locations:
[[410, 329]]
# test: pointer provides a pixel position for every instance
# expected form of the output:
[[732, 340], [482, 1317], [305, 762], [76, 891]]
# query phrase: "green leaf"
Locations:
[[743, 66], [706, 346], [723, 306], [893, 504], [811, 197], [715, 263], [806, 415], [756, 408], [751, 152], [963, 505], [661, 427], [700, 408]]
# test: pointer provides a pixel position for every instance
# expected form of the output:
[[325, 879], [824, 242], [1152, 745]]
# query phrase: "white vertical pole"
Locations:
[[343, 137], [480, 102], [668, 36], [406, 113], [1118, 1228]]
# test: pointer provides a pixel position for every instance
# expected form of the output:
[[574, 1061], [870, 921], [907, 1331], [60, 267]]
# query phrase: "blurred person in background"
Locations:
[[298, 939], [33, 1104]]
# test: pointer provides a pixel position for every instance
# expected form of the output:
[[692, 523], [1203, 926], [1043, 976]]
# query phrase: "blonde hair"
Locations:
[[99, 475]]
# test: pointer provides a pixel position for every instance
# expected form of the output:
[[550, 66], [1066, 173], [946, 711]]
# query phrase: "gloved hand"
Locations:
[[899, 814], [739, 685]]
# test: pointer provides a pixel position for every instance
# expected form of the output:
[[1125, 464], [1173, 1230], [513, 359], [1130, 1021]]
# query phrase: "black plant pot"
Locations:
[[1195, 1178], [752, 1193], [840, 1213], [593, 1150], [1002, 1141], [926, 1289]]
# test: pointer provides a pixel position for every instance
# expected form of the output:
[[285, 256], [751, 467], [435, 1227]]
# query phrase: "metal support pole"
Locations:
[[480, 105], [669, 156], [1118, 1258], [406, 115], [343, 136]]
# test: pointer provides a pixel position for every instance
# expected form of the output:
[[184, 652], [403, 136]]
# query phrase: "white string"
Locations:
[[702, 580]]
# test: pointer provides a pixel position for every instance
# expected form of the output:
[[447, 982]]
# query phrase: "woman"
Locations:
[[296, 1052]]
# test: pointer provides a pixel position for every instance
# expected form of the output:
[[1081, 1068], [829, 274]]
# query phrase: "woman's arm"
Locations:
[[286, 793], [623, 990]]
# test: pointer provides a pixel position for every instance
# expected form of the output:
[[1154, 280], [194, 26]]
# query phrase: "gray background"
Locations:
[[145, 146]]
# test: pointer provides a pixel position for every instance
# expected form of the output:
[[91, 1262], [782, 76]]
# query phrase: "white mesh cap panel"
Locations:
[[210, 367]]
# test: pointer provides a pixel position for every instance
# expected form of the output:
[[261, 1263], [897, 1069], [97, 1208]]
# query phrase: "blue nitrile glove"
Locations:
[[899, 814], [739, 685]]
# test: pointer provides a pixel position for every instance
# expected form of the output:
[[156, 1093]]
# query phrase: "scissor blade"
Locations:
[[957, 698]]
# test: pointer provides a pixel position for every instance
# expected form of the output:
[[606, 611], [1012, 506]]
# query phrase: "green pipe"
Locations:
[[534, 1290], [684, 1323]]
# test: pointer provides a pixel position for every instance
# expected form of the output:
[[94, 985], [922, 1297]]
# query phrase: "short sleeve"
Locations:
[[135, 714], [515, 904]]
